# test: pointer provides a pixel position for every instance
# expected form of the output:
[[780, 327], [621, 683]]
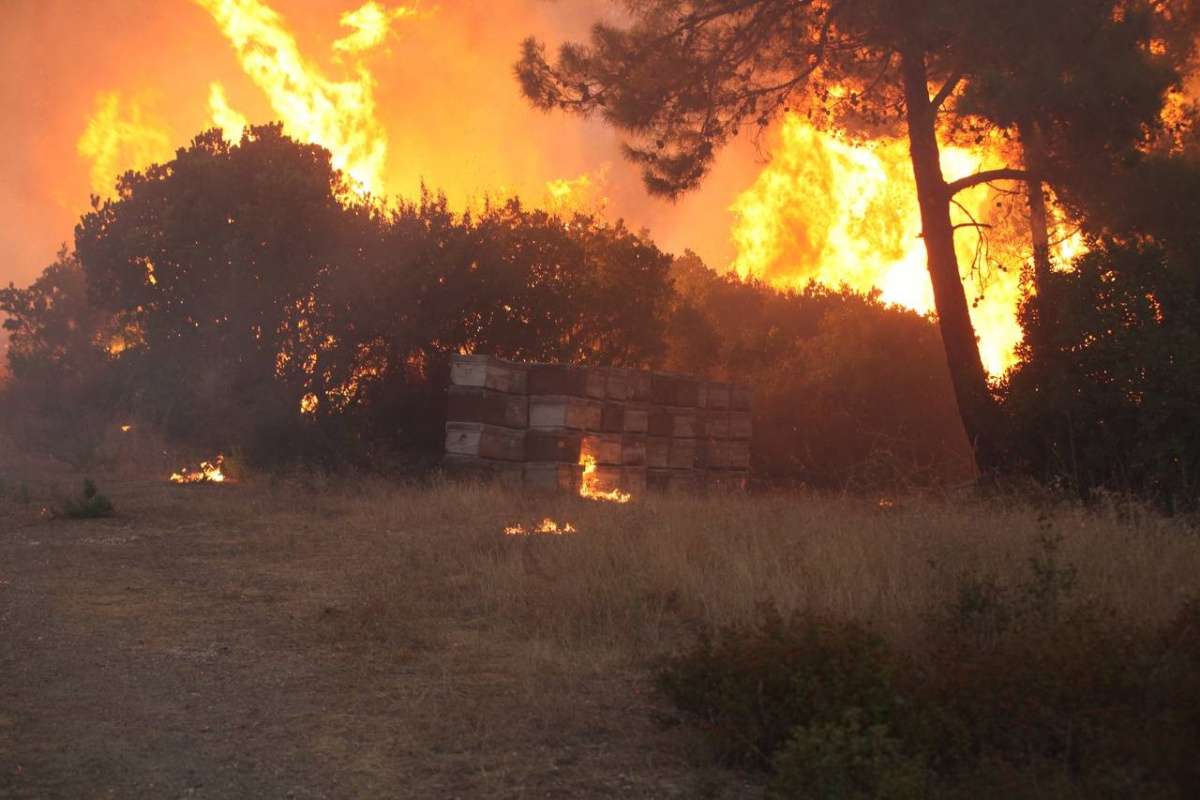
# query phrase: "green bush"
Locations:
[[1017, 689], [90, 505], [751, 686], [846, 760]]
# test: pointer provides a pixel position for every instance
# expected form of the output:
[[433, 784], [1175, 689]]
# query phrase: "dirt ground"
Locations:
[[212, 642]]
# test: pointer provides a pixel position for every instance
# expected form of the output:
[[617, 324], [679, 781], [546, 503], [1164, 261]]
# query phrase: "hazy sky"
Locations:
[[445, 92]]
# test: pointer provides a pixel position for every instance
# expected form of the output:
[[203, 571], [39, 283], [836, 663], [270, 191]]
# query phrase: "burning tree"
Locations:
[[686, 76]]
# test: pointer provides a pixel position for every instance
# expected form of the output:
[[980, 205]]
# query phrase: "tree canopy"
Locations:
[[686, 76], [232, 299]]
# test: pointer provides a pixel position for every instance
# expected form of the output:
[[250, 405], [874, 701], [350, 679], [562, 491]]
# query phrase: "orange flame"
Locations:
[[547, 527], [582, 194], [835, 213], [120, 136], [209, 472], [338, 115], [590, 486]]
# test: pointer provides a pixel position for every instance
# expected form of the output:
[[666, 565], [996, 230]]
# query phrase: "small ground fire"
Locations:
[[207, 472], [547, 527]]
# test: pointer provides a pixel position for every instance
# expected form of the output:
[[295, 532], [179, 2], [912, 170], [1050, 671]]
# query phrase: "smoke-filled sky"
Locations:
[[443, 85]]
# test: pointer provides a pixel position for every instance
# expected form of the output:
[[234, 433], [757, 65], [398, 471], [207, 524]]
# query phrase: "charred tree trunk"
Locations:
[[976, 406]]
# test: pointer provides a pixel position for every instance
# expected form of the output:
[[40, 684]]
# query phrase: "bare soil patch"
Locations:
[[228, 642], [312, 639]]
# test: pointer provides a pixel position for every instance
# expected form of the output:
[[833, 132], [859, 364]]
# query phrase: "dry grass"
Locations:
[[408, 641], [635, 577]]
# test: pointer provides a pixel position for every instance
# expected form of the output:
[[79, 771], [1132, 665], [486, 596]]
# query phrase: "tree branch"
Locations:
[[987, 176], [947, 89]]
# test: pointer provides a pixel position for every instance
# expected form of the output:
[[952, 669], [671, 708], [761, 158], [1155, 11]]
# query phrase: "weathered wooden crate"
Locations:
[[488, 372], [675, 480], [740, 397], [560, 446], [633, 450], [684, 453], [553, 477], [631, 480], [563, 379], [717, 396], [658, 452], [726, 480], [477, 404], [508, 473], [740, 425], [485, 441], [690, 392], [618, 383], [663, 388], [685, 423], [724, 454], [636, 418], [612, 418], [715, 424], [639, 386], [661, 422], [605, 448], [565, 411]]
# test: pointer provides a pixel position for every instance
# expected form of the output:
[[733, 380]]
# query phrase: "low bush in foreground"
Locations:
[[1014, 690], [89, 505]]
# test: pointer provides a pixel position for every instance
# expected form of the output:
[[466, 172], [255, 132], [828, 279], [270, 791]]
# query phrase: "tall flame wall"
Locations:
[[535, 424]]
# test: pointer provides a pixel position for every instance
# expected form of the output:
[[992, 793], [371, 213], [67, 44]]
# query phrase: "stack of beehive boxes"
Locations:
[[603, 429]]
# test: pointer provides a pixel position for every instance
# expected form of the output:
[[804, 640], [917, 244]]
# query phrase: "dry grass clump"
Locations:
[[634, 577]]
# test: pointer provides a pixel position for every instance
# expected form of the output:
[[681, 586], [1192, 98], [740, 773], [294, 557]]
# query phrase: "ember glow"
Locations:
[[546, 527], [207, 472]]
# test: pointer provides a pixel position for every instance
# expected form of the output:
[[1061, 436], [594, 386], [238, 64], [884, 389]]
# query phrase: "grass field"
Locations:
[[306, 637]]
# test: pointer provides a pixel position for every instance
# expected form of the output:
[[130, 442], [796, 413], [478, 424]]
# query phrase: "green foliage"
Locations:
[[846, 760], [1016, 689], [751, 686], [1107, 394], [89, 505]]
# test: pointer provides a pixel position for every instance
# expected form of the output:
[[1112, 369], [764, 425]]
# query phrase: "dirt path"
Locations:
[[144, 656]]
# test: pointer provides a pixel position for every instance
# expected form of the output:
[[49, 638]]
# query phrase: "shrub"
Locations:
[[846, 760], [91, 505], [1018, 689], [751, 686]]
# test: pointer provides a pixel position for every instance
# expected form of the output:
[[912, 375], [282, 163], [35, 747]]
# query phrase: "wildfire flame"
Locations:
[[120, 135], [209, 472], [547, 527], [822, 210], [834, 213], [338, 115], [590, 486], [828, 211], [582, 194]]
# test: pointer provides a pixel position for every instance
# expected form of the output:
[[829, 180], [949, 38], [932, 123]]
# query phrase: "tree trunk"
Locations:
[[978, 410], [1033, 146]]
